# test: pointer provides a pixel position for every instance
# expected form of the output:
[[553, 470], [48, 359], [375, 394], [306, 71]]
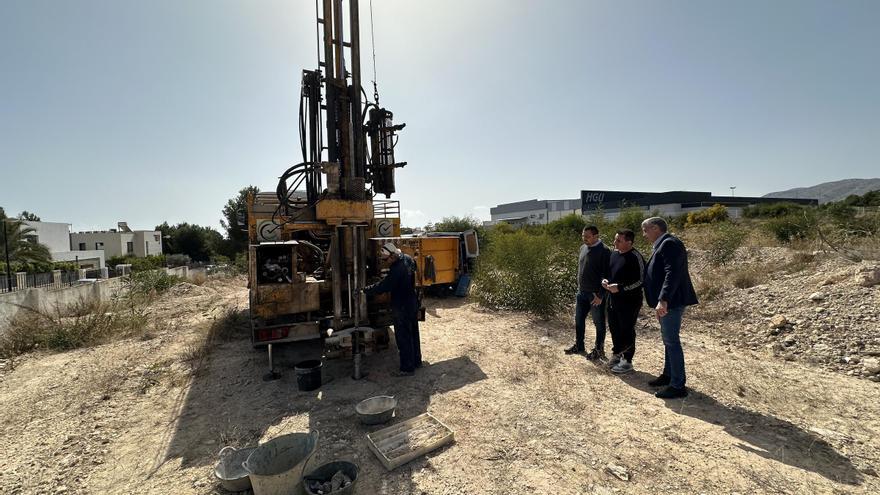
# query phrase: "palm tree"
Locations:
[[24, 254]]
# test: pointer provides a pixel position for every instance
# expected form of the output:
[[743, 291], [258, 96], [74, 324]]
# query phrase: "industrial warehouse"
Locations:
[[610, 203]]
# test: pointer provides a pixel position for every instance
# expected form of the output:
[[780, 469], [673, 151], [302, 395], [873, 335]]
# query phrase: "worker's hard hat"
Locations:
[[391, 248]]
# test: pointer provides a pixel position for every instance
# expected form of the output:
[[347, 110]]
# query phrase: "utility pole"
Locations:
[[6, 250]]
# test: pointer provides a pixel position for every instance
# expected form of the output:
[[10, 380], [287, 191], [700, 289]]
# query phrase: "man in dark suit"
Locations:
[[668, 289]]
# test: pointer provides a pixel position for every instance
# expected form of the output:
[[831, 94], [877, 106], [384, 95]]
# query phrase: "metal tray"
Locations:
[[403, 442]]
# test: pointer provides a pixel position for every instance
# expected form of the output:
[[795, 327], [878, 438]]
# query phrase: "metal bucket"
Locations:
[[376, 410], [276, 467], [229, 470]]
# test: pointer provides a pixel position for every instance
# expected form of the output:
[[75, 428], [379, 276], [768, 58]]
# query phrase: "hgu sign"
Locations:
[[592, 197]]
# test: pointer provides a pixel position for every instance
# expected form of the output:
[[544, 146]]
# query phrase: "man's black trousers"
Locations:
[[622, 315], [406, 335]]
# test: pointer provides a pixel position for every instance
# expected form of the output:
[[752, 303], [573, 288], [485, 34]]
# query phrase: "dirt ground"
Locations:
[[134, 416]]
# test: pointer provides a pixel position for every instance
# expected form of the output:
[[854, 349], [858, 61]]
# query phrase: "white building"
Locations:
[[56, 236], [534, 211], [121, 241], [612, 203]]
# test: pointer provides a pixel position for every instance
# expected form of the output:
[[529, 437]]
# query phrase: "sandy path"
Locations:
[[128, 418]]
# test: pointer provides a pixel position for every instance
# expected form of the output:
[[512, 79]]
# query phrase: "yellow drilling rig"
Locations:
[[315, 241]]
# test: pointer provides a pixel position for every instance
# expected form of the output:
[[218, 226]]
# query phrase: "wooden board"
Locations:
[[403, 442]]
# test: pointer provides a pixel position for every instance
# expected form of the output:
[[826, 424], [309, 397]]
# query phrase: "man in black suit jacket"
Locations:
[[668, 289]]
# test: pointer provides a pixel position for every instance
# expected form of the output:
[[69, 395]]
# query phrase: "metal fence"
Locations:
[[37, 281], [7, 284]]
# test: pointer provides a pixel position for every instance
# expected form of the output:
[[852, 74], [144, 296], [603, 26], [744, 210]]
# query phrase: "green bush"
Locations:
[[773, 210], [138, 264], [724, 239], [568, 227], [241, 262], [526, 272], [793, 227], [150, 282]]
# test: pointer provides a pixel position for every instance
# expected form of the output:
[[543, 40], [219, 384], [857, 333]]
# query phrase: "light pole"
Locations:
[[6, 250], [731, 190]]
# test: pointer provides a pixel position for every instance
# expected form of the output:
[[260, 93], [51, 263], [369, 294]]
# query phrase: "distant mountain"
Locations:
[[830, 191]]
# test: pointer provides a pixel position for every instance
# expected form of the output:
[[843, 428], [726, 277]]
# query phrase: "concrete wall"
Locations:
[[54, 235], [49, 300]]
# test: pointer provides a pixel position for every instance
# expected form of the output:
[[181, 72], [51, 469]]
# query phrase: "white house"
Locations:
[[56, 236], [121, 241]]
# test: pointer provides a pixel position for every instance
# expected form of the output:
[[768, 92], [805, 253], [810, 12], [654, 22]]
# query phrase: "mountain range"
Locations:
[[830, 191]]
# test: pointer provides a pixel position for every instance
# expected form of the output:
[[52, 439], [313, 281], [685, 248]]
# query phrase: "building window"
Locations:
[[147, 248], [82, 246], [129, 247], [156, 237], [99, 245]]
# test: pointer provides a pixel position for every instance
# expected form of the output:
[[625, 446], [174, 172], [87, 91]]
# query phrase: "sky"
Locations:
[[161, 110]]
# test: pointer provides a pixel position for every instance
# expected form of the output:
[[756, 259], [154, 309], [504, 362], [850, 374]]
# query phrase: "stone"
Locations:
[[619, 472], [869, 278], [778, 321], [871, 366], [817, 296]]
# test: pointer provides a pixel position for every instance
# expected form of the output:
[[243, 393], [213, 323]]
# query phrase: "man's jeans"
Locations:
[[584, 306], [673, 365]]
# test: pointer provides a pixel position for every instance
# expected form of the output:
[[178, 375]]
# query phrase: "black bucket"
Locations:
[[326, 472], [308, 375]]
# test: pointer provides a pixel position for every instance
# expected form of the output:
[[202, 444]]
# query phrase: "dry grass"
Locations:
[[81, 324]]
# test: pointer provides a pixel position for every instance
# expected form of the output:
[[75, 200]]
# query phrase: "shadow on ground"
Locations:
[[228, 403], [764, 435], [434, 306]]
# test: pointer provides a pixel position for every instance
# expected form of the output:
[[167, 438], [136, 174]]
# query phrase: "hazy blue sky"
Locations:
[[147, 111]]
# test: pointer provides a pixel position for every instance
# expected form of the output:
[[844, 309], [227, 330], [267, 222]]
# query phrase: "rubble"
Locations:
[[339, 481]]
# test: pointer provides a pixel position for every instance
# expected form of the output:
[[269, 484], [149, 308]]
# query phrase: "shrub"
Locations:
[[714, 214], [138, 264], [147, 263], [241, 262], [151, 282], [78, 325], [724, 239], [793, 227], [773, 210], [568, 227], [526, 272], [748, 276]]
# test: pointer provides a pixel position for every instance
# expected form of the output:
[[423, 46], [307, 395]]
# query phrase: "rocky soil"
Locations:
[[819, 309]]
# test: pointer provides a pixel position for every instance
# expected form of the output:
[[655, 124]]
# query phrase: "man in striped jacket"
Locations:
[[624, 283]]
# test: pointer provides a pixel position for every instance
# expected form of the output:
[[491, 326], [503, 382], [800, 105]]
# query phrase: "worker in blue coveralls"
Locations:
[[400, 282]]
